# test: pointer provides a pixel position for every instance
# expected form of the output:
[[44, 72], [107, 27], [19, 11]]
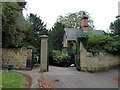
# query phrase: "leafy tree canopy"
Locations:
[[103, 42], [115, 27], [72, 20], [56, 36], [36, 27], [13, 24]]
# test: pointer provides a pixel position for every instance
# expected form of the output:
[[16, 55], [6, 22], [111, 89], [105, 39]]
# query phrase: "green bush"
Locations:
[[100, 42], [60, 59], [113, 47], [72, 51], [96, 43]]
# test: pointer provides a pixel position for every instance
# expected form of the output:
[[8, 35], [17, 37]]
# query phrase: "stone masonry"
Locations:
[[103, 61]]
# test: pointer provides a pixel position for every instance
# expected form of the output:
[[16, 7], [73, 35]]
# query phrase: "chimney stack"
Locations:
[[84, 23]]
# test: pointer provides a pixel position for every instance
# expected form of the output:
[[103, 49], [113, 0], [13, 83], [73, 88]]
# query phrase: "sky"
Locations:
[[103, 12]]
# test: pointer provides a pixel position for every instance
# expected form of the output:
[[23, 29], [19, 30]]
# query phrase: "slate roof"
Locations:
[[73, 33]]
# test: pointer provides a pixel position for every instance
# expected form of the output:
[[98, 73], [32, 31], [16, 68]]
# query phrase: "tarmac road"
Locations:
[[71, 78]]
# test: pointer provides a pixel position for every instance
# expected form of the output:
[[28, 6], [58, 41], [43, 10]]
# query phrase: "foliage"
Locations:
[[25, 45], [12, 80], [45, 83], [115, 27], [97, 42], [36, 27], [71, 50], [113, 47], [22, 4], [60, 59], [77, 59], [37, 24], [55, 39], [72, 20], [102, 42], [56, 36], [84, 39], [13, 24]]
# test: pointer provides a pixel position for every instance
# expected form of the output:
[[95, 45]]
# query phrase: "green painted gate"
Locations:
[[77, 56], [35, 58]]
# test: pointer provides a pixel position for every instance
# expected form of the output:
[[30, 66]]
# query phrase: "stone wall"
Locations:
[[17, 57], [101, 61]]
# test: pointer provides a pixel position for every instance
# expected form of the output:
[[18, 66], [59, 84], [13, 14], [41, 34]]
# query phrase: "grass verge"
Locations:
[[0, 79], [12, 79]]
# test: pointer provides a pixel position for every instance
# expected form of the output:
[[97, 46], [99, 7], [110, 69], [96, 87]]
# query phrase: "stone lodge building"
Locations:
[[71, 34]]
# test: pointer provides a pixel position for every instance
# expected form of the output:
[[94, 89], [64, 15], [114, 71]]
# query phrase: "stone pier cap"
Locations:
[[43, 36]]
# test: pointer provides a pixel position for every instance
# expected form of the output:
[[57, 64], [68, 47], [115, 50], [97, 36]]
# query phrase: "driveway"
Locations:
[[71, 78]]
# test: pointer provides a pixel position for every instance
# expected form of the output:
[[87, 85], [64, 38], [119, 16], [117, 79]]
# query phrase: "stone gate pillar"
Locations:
[[44, 53]]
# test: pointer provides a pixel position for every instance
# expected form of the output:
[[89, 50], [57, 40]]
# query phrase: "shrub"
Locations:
[[60, 59], [100, 42], [96, 43], [72, 51], [113, 47]]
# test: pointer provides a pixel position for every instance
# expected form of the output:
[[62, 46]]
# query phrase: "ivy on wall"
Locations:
[[100, 42]]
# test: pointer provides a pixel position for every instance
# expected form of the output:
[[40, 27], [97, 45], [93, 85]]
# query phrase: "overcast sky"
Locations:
[[103, 12]]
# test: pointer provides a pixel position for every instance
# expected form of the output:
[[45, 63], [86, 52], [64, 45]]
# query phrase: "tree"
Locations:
[[13, 24], [36, 27], [115, 27], [72, 20], [56, 36]]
